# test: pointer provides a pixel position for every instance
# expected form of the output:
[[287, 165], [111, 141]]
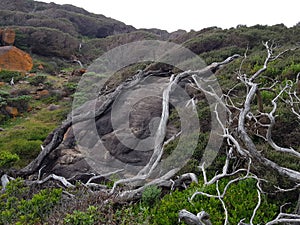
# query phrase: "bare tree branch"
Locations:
[[202, 218], [256, 208], [5, 179], [285, 218], [221, 196], [53, 177], [254, 153]]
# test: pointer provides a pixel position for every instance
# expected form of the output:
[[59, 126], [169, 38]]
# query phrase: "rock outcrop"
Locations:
[[114, 146], [12, 111], [123, 127], [12, 58]]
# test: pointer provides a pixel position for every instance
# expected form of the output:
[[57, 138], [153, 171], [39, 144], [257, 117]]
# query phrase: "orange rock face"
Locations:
[[8, 36], [12, 111], [12, 58], [43, 93]]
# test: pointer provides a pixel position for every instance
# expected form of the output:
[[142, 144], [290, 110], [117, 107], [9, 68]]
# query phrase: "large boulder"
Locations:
[[123, 134], [12, 58]]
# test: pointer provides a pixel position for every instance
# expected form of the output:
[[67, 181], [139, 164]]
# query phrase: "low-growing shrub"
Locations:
[[7, 159], [6, 75], [4, 94], [70, 88], [82, 218], [38, 79], [17, 207], [20, 102], [240, 200], [151, 195], [52, 98]]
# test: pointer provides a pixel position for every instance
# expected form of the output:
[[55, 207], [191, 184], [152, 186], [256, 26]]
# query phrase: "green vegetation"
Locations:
[[6, 75], [38, 79], [151, 195], [82, 218], [18, 207], [26, 121], [12, 106], [7, 159], [24, 137], [240, 200], [54, 41]]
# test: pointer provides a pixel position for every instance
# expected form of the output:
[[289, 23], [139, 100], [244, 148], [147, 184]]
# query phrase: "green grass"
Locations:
[[23, 136], [21, 140]]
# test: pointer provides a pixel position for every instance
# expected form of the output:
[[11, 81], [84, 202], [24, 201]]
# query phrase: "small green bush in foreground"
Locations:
[[82, 218], [17, 207]]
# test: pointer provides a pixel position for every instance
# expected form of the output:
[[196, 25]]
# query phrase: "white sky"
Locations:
[[193, 14]]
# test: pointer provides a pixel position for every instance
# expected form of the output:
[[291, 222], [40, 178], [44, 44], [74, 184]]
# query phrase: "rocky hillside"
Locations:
[[66, 18], [66, 31], [55, 30]]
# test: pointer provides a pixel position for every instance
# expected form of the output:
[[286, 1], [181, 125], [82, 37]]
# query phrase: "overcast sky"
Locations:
[[193, 14]]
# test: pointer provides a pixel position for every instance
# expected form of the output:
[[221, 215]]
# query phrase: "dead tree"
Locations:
[[239, 140]]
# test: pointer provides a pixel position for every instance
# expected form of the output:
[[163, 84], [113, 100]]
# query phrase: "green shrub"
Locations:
[[24, 137], [70, 88], [292, 69], [52, 98], [6, 75], [201, 145], [79, 99], [20, 102], [168, 149], [272, 70], [221, 54], [132, 214], [4, 94], [151, 195], [48, 67], [205, 43], [267, 96], [3, 117], [39, 206], [3, 102], [16, 207], [240, 200], [7, 159], [38, 79], [82, 218]]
